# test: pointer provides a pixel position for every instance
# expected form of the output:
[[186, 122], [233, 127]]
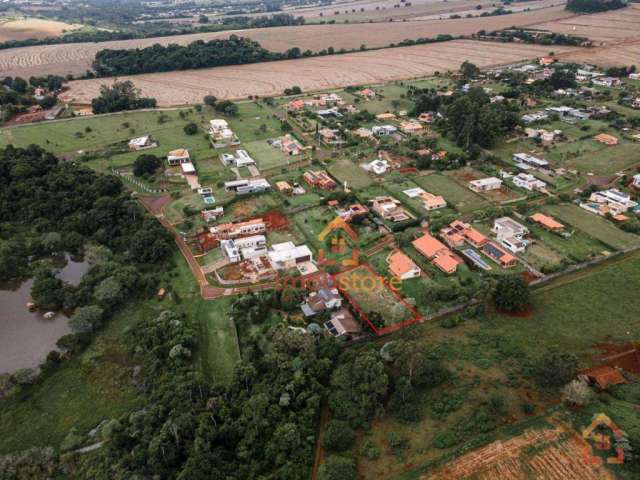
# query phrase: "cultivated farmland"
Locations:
[[310, 74], [25, 28], [77, 58]]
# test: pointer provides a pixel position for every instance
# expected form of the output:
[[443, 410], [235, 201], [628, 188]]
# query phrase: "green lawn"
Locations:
[[267, 156], [579, 247], [607, 160], [95, 134], [460, 197], [253, 122], [345, 170], [593, 225]]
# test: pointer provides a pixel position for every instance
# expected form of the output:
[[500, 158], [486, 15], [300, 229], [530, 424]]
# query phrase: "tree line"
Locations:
[[594, 6]]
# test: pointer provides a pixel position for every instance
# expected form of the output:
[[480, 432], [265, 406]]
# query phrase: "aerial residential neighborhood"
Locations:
[[324, 241]]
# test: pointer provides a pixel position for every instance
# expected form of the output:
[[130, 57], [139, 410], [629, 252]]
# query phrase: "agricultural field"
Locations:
[[19, 28], [314, 74], [604, 28], [77, 58]]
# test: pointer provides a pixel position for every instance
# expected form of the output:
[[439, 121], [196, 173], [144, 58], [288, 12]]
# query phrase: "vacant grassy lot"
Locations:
[[593, 225], [97, 134], [345, 170], [266, 156], [606, 160], [579, 247], [455, 194]]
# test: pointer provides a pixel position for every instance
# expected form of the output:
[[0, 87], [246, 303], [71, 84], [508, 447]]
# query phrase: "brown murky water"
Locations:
[[27, 337]]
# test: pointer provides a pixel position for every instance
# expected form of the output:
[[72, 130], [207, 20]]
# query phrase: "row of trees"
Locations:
[[593, 6], [158, 58]]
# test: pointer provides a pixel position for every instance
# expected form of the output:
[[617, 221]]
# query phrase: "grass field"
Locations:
[[606, 160], [345, 170], [460, 197], [593, 225], [95, 134]]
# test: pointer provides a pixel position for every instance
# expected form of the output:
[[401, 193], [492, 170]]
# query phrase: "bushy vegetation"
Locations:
[[593, 6], [158, 58], [17, 95], [120, 96]]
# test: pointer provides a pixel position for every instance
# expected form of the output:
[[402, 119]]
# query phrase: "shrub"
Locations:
[[338, 436]]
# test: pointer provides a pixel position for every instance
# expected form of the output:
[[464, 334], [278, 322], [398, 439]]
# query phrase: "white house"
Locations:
[[611, 201], [287, 255], [245, 186], [240, 159], [382, 130], [377, 166], [510, 234], [526, 161], [142, 143], [636, 180], [528, 182], [485, 184], [178, 156]]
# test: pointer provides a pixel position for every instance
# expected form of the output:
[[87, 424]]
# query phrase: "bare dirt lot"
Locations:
[[552, 454], [77, 58], [311, 74], [24, 29]]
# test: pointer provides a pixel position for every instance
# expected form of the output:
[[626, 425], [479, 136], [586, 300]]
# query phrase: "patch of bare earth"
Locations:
[[33, 28], [549, 454], [313, 74]]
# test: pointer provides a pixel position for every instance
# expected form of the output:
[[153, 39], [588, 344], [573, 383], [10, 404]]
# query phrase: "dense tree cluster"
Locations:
[[120, 96], [158, 58], [49, 207], [593, 6], [472, 119], [511, 294]]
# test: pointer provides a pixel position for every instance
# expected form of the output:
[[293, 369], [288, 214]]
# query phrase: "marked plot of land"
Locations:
[[460, 197]]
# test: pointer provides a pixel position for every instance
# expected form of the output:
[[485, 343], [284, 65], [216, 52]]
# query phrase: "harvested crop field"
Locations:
[[23, 29], [77, 58], [552, 454], [311, 74], [618, 55], [607, 27]]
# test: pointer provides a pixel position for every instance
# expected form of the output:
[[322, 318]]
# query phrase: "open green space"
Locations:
[[347, 171], [463, 199], [593, 225]]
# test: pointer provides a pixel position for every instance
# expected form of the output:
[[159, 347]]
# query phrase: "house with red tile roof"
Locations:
[[437, 252], [546, 222], [401, 266]]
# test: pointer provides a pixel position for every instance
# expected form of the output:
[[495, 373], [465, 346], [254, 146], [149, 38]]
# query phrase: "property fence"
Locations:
[[138, 183]]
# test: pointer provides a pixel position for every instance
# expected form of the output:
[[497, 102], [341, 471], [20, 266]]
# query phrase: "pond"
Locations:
[[26, 337]]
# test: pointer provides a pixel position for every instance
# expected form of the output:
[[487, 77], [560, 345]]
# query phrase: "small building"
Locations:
[[363, 133], [320, 301], [244, 187], [526, 161], [290, 145], [510, 234], [534, 117], [606, 139], [411, 127], [319, 179], [447, 262], [547, 222], [501, 257], [384, 130], [401, 266], [603, 376], [429, 246], [528, 182], [432, 202], [176, 157], [284, 187], [240, 229], [141, 143], [385, 117], [367, 93], [287, 255], [390, 209], [342, 323], [377, 166], [426, 117], [485, 184], [240, 159]]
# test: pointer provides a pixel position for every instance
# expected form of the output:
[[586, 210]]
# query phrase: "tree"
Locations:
[[338, 468], [120, 96], [190, 128], [469, 70], [210, 100], [338, 436], [47, 291], [358, 388], [109, 292], [227, 107], [146, 164], [563, 79], [203, 19], [577, 392], [86, 319], [555, 368], [511, 294]]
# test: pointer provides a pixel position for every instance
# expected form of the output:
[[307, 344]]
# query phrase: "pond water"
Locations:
[[27, 337]]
